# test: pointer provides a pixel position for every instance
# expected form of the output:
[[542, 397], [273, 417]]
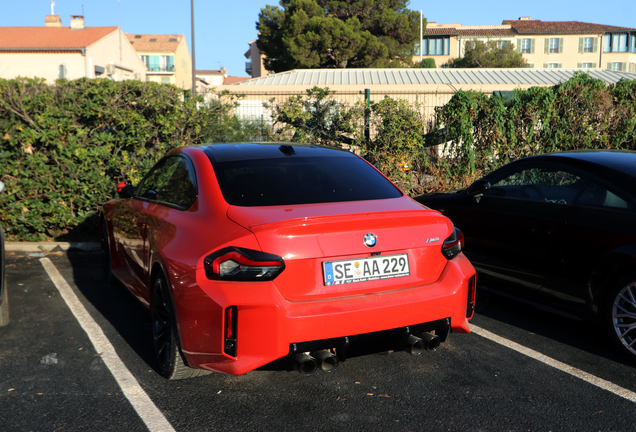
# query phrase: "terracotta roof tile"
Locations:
[[487, 32], [441, 31], [30, 38], [157, 43], [560, 27]]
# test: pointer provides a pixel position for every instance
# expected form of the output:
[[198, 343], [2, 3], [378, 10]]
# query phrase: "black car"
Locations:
[[4, 302], [556, 229]]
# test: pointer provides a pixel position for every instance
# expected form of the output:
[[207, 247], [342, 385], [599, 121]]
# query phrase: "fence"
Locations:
[[251, 104]]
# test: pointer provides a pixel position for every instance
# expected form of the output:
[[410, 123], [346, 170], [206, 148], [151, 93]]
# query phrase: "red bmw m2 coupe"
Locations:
[[283, 256]]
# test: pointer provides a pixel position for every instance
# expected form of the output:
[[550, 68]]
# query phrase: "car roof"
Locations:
[[619, 160], [269, 150]]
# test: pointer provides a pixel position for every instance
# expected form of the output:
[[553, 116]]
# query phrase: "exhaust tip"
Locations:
[[431, 341], [414, 345], [306, 364], [328, 361]]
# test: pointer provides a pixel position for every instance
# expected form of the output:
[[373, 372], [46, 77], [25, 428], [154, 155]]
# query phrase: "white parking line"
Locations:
[[594, 380], [149, 413]]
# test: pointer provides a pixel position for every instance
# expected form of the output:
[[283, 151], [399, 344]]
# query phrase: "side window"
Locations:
[[538, 183], [171, 181], [596, 195]]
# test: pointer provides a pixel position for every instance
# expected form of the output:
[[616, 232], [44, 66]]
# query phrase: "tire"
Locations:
[[165, 335], [4, 296], [4, 306], [107, 268], [620, 316]]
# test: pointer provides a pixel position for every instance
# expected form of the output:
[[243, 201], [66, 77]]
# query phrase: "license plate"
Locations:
[[365, 269]]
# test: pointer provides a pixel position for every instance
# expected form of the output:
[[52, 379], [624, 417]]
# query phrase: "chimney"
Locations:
[[52, 21], [77, 22], [527, 18]]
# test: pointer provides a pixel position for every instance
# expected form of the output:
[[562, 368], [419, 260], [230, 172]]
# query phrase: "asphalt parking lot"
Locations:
[[521, 369]]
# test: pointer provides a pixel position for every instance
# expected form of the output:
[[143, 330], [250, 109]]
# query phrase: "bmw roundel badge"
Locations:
[[370, 240]]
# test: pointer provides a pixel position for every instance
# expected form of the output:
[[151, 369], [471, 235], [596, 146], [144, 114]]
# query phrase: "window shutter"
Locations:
[[595, 45], [594, 65], [547, 45], [579, 65], [609, 66], [581, 45], [545, 65], [532, 46], [624, 67], [560, 65], [519, 45], [560, 45]]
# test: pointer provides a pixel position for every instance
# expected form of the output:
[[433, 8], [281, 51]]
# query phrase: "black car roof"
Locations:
[[268, 150], [620, 160]]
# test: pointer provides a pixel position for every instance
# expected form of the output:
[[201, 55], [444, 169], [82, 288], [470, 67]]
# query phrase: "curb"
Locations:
[[50, 246]]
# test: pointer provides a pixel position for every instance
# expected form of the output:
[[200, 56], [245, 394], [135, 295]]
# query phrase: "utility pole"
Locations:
[[194, 67]]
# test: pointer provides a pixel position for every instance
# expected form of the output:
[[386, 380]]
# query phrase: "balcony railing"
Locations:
[[160, 68]]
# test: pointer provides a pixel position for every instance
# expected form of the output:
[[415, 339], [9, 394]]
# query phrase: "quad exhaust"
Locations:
[[327, 360], [416, 345], [307, 363]]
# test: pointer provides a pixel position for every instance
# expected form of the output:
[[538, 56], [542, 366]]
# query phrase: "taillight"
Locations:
[[472, 294], [231, 316], [453, 245], [239, 264]]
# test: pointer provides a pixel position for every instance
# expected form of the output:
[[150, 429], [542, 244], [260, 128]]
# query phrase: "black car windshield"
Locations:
[[301, 180]]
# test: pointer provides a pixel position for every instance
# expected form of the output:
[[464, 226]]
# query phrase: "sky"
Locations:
[[223, 29]]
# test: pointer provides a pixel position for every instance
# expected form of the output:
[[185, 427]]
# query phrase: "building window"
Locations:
[[615, 43], [435, 46], [157, 63], [526, 46], [61, 71], [588, 45], [165, 80], [502, 44], [632, 44], [554, 45], [552, 65], [617, 66], [587, 65]]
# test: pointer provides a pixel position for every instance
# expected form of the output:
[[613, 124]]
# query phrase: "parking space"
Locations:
[[49, 365]]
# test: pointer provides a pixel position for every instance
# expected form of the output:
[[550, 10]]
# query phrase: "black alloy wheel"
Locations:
[[165, 336], [621, 315]]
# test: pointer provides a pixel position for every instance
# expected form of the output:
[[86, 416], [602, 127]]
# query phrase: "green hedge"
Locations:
[[482, 133], [63, 147]]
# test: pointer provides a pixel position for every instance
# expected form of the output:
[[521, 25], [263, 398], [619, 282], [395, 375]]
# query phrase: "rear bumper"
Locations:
[[270, 328]]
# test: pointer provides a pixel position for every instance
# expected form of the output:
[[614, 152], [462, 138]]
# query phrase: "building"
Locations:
[[166, 58], [54, 51], [254, 65], [544, 44]]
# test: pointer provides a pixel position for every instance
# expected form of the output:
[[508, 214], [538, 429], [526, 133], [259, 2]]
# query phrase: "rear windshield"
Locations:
[[298, 180]]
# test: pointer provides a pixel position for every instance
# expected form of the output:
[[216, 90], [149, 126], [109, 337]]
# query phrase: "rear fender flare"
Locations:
[[610, 268]]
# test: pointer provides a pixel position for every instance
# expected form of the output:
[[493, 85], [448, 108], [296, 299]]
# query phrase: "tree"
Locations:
[[308, 34], [489, 54], [427, 63]]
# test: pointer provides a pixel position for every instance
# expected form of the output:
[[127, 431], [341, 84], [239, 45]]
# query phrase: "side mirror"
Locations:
[[477, 189], [125, 189]]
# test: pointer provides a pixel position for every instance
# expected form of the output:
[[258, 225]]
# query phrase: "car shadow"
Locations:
[[532, 318], [115, 303]]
